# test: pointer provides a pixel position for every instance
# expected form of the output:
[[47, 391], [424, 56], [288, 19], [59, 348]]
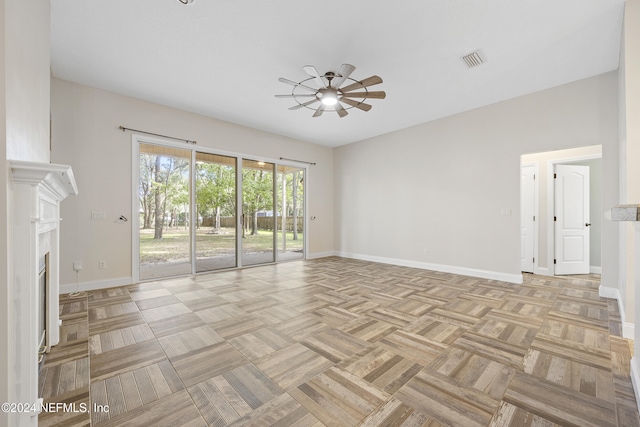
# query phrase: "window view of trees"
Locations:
[[164, 192], [257, 198], [166, 231], [258, 221], [164, 209], [215, 212], [215, 194], [290, 205]]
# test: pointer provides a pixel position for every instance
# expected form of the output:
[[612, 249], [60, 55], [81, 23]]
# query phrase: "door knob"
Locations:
[[587, 224]]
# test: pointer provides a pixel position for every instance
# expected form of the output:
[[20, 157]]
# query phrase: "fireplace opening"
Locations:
[[43, 290]]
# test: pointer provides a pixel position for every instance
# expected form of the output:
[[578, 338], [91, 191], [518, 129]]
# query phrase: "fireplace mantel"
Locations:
[[57, 179], [37, 190]]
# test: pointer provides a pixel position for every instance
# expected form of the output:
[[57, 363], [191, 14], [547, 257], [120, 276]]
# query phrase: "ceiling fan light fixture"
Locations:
[[329, 99], [331, 93]]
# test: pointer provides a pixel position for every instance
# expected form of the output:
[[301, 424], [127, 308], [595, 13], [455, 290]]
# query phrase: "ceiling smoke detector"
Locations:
[[473, 59]]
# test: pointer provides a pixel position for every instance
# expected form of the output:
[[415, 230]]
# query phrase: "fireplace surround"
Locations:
[[37, 190]]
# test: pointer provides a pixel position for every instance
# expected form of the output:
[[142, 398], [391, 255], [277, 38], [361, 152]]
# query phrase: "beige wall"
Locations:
[[434, 193], [85, 130], [24, 130], [629, 172]]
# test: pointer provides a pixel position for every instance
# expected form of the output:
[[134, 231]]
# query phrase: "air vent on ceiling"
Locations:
[[473, 59]]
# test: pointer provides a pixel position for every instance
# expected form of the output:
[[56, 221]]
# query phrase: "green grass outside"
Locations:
[[174, 246]]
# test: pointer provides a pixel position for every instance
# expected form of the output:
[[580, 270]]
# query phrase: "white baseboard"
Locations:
[[628, 328], [635, 379], [607, 292], [321, 255], [99, 284], [595, 270], [463, 271]]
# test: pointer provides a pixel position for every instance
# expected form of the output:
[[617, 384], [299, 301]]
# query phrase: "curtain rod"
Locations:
[[188, 141], [299, 161]]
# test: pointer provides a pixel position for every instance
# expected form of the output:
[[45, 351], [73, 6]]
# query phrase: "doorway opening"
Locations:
[[549, 239]]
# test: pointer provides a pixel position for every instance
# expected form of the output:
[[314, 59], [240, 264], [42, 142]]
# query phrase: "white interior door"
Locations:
[[527, 218], [572, 219]]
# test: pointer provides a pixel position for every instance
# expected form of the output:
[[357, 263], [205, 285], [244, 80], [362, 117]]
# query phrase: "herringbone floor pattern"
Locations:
[[339, 342]]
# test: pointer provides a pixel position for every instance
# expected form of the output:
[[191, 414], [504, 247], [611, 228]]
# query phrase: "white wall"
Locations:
[[433, 195], [24, 135], [85, 130], [27, 79]]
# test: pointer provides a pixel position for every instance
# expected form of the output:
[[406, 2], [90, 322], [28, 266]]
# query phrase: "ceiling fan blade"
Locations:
[[374, 95], [292, 83], [369, 81], [343, 74], [311, 70], [302, 95], [340, 110], [319, 111], [361, 105], [304, 104]]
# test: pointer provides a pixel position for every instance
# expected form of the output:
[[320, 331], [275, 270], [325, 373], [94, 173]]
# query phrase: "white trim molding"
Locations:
[[463, 271], [38, 189], [607, 292], [318, 255], [614, 293], [95, 285]]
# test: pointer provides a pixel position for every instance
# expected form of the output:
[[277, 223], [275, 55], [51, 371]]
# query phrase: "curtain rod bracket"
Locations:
[[188, 141]]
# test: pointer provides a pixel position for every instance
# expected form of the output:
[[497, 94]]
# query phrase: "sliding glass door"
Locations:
[[201, 211], [215, 212], [259, 225], [290, 190], [164, 191]]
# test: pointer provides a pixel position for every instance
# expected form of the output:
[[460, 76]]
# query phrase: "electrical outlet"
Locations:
[[77, 265], [102, 265], [98, 215]]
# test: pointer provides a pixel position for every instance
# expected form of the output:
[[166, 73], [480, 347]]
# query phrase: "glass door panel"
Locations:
[[163, 191], [258, 217], [215, 217], [290, 189]]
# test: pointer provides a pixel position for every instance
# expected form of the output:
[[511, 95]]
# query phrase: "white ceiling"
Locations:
[[223, 58]]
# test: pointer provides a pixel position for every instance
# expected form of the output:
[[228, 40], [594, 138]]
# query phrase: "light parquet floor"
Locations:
[[340, 342]]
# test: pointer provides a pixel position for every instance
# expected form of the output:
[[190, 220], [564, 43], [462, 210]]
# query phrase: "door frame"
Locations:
[[137, 139], [536, 210], [551, 204]]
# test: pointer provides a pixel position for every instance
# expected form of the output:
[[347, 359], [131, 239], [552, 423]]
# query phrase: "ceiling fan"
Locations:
[[329, 92]]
